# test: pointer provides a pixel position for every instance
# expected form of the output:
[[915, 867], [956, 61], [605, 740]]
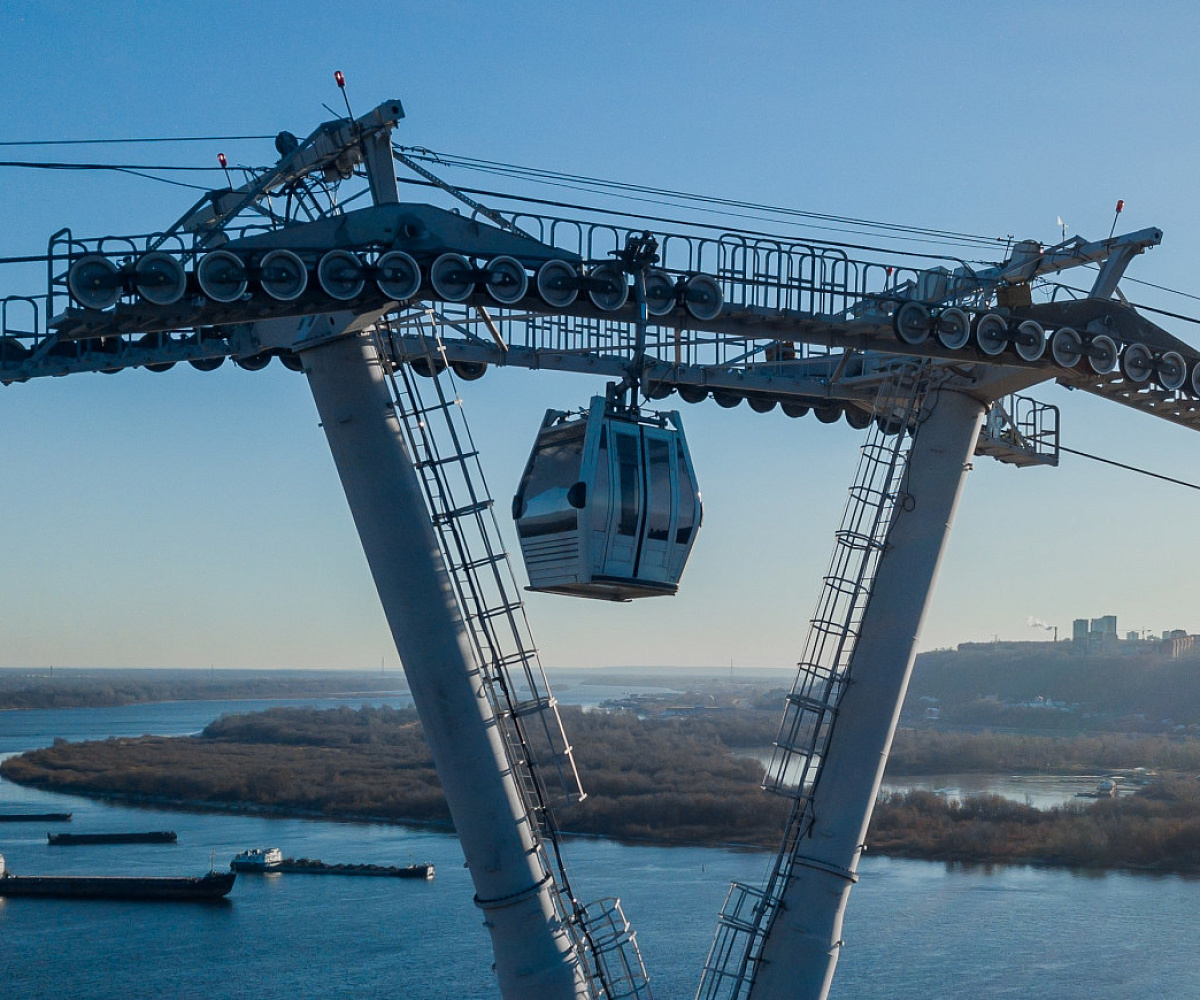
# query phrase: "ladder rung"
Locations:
[[490, 560], [444, 517], [419, 410], [815, 705], [487, 614], [434, 463]]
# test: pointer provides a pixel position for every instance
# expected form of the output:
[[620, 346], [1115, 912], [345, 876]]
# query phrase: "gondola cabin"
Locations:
[[608, 505]]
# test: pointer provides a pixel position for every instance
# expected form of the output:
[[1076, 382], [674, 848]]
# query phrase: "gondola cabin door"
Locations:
[[608, 506]]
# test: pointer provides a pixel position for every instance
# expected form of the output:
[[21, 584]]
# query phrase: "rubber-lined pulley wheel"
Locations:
[[340, 275], [558, 283], [660, 292], [159, 278], [912, 323], [1102, 354], [451, 277], [952, 329], [94, 282], [610, 289], [703, 297], [1171, 371], [1029, 340], [282, 275], [991, 334], [397, 275], [1066, 347], [507, 281]]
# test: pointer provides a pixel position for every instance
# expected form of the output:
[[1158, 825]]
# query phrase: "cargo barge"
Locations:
[[35, 817], [304, 866], [198, 889], [71, 839], [271, 859]]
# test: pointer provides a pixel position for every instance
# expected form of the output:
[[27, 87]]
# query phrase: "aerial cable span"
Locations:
[[51, 165], [768, 218], [711, 226], [1140, 305], [583, 181], [130, 170], [1164, 288], [116, 142], [1130, 468], [38, 258]]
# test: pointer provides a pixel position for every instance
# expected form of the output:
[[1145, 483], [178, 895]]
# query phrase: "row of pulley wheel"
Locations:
[[994, 334], [97, 282], [828, 411], [114, 348]]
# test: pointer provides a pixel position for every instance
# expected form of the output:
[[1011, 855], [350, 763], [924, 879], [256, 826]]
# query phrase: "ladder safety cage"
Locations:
[[607, 506], [810, 708], [462, 512]]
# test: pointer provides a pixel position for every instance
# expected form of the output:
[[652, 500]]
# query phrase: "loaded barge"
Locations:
[[71, 839], [271, 859], [200, 888], [303, 866], [35, 817]]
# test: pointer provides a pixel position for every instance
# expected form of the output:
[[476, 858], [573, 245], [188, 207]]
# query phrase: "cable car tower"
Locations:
[[388, 307]]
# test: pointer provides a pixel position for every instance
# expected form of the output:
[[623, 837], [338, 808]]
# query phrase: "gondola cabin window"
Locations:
[[608, 506]]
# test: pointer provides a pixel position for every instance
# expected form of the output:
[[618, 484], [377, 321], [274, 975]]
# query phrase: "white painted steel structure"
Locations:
[[363, 300]]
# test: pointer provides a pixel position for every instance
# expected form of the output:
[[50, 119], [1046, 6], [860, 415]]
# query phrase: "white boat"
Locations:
[[257, 859]]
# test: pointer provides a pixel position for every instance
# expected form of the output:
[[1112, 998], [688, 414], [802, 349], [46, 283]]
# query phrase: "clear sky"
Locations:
[[190, 519]]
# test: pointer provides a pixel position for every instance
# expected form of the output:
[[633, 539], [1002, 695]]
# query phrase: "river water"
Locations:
[[915, 930]]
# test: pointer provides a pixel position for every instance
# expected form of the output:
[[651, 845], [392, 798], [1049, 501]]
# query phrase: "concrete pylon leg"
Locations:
[[801, 949], [533, 952]]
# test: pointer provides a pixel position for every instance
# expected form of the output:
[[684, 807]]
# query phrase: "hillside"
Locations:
[[1048, 687]]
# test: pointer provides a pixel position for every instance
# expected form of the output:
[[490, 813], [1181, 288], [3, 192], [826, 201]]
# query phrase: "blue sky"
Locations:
[[191, 519]]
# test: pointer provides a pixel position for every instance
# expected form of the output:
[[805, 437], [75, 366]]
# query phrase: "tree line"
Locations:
[[665, 780]]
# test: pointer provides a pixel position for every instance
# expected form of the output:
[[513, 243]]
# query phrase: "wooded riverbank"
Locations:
[[662, 780]]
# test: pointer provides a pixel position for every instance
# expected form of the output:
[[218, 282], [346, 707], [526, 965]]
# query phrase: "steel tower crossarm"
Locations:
[[801, 947], [533, 952]]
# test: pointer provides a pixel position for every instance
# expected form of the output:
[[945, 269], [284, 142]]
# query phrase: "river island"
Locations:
[[663, 780]]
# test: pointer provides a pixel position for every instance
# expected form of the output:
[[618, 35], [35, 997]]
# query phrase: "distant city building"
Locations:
[[1097, 634], [1179, 645]]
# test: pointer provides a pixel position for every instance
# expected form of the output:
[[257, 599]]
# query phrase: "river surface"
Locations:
[[915, 930]]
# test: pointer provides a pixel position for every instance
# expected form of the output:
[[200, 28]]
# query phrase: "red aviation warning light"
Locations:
[[340, 80], [1120, 209]]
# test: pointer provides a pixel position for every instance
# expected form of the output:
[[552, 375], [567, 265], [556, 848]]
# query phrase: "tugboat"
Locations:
[[257, 859]]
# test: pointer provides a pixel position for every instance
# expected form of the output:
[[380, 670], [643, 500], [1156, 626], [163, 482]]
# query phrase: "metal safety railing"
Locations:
[[755, 271], [1020, 430], [811, 707], [463, 515]]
